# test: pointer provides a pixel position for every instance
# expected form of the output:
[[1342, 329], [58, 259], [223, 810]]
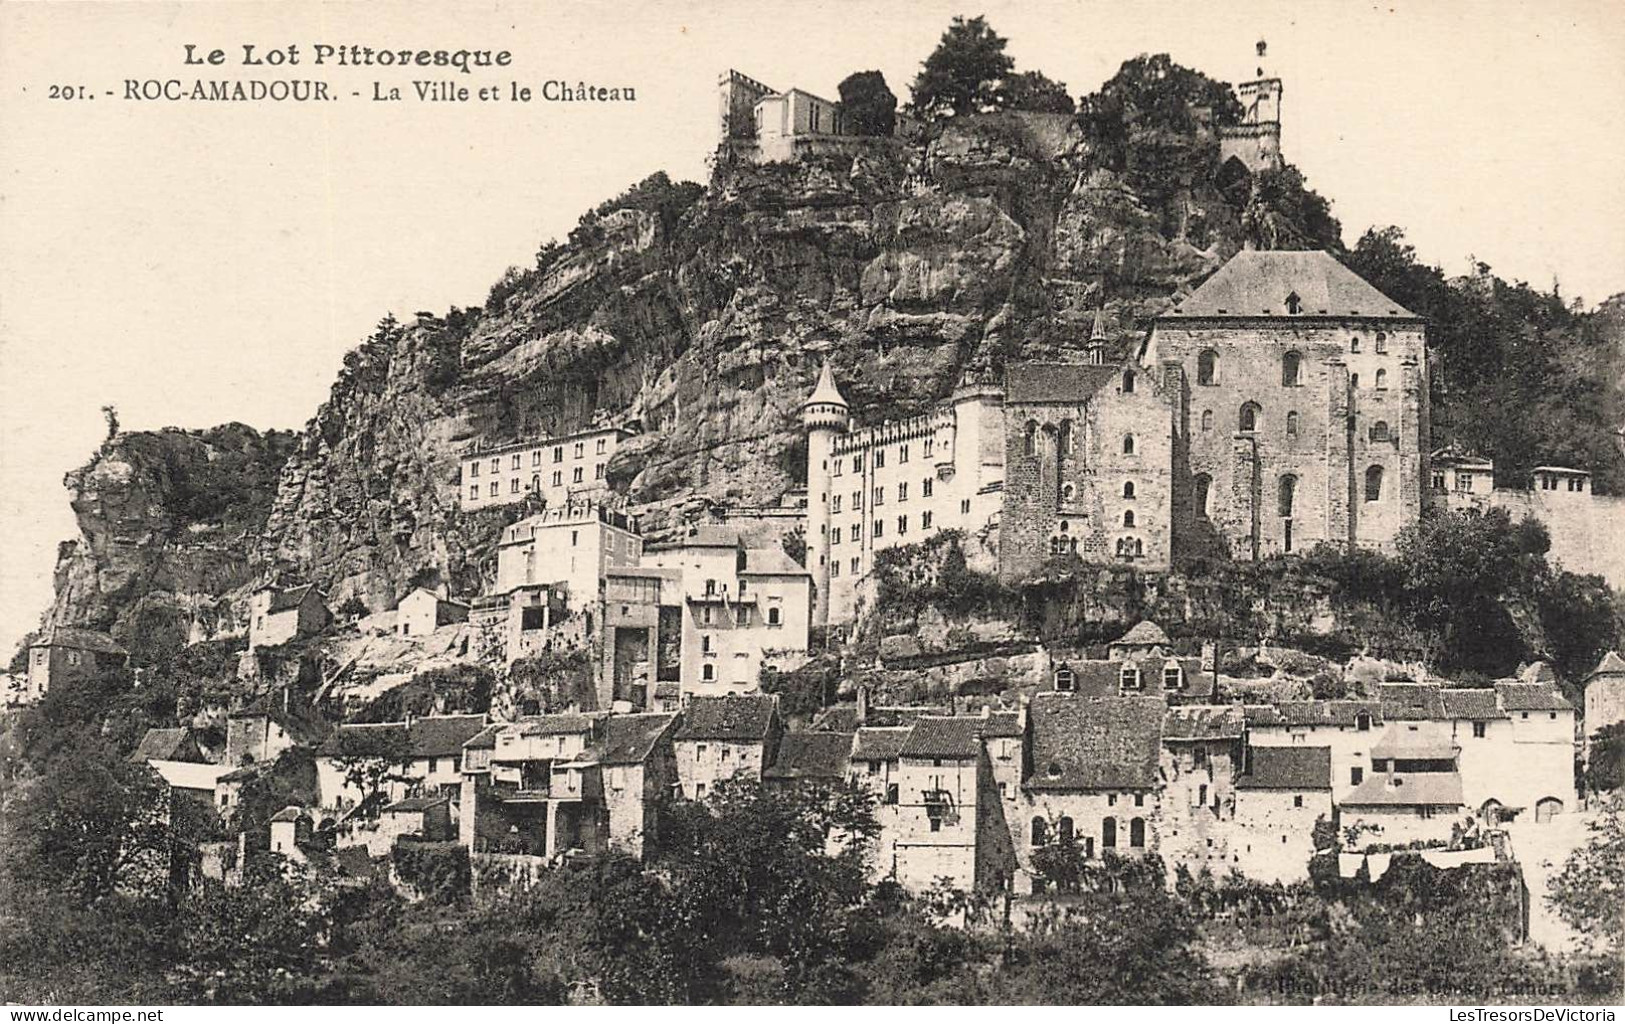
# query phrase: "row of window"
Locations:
[[1286, 491], [927, 489], [1173, 678], [879, 529], [536, 456], [1065, 832], [576, 477], [1207, 365], [929, 446]]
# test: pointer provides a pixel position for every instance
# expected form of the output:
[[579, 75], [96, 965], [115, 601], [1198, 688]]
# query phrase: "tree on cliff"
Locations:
[[1035, 91], [868, 104], [1151, 99], [963, 73]]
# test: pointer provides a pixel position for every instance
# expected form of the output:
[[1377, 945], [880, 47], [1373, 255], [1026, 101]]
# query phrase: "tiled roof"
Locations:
[[289, 814], [79, 640], [1435, 789], [628, 739], [1426, 744], [414, 804], [837, 718], [1256, 283], [811, 755], [1288, 768], [1412, 701], [1531, 697], [958, 738], [1144, 633], [568, 724], [770, 562], [1611, 664], [1105, 678], [1071, 383], [1005, 724], [1537, 672], [1477, 705], [289, 599], [745, 718], [1095, 742], [1201, 723], [166, 745], [884, 743], [443, 735], [1313, 712]]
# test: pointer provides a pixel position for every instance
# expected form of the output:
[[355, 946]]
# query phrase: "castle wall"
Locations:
[[1199, 802], [1072, 498], [1353, 409], [1585, 528]]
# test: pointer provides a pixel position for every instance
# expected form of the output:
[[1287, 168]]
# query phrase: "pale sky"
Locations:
[[196, 263]]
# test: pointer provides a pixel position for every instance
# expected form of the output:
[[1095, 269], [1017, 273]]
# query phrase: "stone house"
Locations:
[[423, 611], [555, 471], [721, 737], [190, 781], [418, 817], [261, 730], [423, 757], [291, 833], [1088, 465], [1201, 758], [1093, 777], [1280, 796], [1347, 727], [1302, 408], [66, 652], [278, 615], [947, 821], [811, 757]]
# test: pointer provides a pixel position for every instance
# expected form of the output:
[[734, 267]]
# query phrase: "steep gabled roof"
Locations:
[[189, 774], [289, 813], [1531, 697], [289, 599], [1094, 742], [1288, 768], [880, 743], [1145, 633], [1428, 743], [1410, 701], [957, 738], [1205, 722], [745, 718], [486, 738], [1470, 704], [629, 739], [167, 745], [1611, 664], [811, 755], [1256, 283], [443, 735], [770, 562], [1067, 383]]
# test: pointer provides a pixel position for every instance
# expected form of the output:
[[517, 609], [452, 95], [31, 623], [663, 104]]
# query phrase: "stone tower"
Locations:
[[823, 415], [1256, 141]]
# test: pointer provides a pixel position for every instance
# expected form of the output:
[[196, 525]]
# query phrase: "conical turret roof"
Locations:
[[825, 392], [1098, 331]]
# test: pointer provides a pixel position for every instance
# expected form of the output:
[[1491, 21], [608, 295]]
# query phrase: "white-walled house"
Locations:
[[278, 615], [424, 754], [423, 611], [1280, 796]]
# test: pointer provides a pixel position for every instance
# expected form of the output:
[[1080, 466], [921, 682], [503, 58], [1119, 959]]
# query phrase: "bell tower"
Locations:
[[1256, 141], [824, 416]]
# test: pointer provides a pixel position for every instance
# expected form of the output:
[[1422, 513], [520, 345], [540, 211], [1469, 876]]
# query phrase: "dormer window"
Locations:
[[1130, 677], [1066, 680], [1294, 304], [1173, 678], [1362, 722]]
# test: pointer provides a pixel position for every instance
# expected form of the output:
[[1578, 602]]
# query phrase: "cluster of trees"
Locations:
[[970, 73]]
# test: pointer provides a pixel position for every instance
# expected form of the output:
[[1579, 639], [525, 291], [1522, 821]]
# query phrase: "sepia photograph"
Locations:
[[812, 502]]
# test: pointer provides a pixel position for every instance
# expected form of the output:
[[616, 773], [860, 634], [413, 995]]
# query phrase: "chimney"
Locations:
[[863, 704]]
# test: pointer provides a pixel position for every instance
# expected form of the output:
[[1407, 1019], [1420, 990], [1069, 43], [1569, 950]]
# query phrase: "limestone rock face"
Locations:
[[700, 326]]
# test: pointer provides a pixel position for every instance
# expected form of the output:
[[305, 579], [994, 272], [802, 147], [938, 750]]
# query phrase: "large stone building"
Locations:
[[895, 483], [557, 470], [65, 653], [1303, 411]]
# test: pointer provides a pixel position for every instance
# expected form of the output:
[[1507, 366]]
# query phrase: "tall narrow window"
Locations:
[[1128, 444], [1354, 344], [1030, 444], [1379, 430], [1292, 424], [1291, 370], [1288, 492], [1063, 439], [1373, 484], [1207, 367], [1128, 488], [1128, 382], [1200, 487], [1063, 831], [1207, 420], [1040, 831], [1108, 834], [1382, 342], [1128, 519], [1248, 421], [1136, 833], [1382, 379]]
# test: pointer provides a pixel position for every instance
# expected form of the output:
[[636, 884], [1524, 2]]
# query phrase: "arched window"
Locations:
[[1040, 831], [1030, 445], [1354, 380], [1362, 722], [1136, 833], [1108, 834], [1128, 488], [1063, 439], [1248, 421], [1292, 424], [1354, 345], [1128, 382], [1129, 678], [1288, 492], [1207, 420], [1128, 444], [1379, 430], [1207, 367], [1201, 485], [1382, 342], [1128, 518], [1173, 678], [1373, 484], [1382, 379], [1063, 831], [1066, 680], [1068, 492], [1291, 370]]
